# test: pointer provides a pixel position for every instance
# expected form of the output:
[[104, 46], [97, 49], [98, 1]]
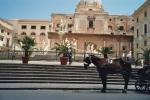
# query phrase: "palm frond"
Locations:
[[27, 44], [145, 54], [61, 48], [105, 50]]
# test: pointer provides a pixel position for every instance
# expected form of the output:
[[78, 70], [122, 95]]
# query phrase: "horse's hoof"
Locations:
[[124, 91], [103, 91]]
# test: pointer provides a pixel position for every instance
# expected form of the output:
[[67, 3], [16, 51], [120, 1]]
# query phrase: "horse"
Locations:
[[104, 68]]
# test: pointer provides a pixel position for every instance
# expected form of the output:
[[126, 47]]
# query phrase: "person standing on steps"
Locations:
[[70, 54]]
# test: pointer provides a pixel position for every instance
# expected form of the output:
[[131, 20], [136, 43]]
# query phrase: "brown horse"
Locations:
[[104, 68]]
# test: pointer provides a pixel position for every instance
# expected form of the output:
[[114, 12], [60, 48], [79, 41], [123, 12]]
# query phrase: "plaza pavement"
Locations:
[[55, 86]]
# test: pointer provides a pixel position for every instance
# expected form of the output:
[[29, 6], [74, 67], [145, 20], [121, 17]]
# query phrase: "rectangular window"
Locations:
[[137, 20], [137, 33], [58, 25], [121, 28], [2, 31], [110, 28], [137, 45], [123, 47], [91, 24], [1, 38], [132, 28], [43, 27], [23, 27], [7, 42], [70, 25], [33, 27], [145, 43], [145, 29], [8, 33], [145, 14]]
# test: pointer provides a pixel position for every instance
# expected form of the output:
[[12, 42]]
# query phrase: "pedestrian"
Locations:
[[70, 54], [129, 57]]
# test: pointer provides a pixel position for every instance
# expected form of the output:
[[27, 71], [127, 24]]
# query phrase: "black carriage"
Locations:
[[143, 81]]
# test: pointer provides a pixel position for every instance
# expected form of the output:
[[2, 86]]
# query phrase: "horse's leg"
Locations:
[[104, 80], [126, 79]]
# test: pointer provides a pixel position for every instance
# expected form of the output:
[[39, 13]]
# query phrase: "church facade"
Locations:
[[90, 28]]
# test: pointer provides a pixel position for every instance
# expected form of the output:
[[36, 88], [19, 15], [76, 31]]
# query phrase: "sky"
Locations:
[[42, 9]]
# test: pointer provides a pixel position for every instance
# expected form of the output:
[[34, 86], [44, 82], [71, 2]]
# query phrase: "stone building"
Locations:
[[86, 30], [142, 28], [6, 33], [90, 27], [37, 29]]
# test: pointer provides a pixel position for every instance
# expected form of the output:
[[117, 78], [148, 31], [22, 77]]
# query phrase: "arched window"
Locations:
[[32, 33], [23, 33], [42, 34]]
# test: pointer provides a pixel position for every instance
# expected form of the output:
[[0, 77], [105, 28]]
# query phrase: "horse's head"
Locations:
[[87, 61], [121, 61]]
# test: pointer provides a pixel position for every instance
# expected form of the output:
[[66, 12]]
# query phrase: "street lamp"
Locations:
[[14, 41]]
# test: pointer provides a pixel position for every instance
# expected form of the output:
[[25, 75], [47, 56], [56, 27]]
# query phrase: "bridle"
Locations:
[[90, 59]]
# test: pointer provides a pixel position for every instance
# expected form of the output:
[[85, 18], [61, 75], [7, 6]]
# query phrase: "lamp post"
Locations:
[[14, 48], [84, 49]]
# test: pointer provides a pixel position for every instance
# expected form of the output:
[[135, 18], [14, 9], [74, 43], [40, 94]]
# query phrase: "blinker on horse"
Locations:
[[104, 68]]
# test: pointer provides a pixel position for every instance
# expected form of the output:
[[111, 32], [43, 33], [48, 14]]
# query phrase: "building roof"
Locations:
[[30, 20], [147, 2], [5, 21], [6, 24]]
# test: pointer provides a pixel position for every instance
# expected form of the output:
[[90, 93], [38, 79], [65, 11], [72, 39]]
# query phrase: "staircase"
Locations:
[[53, 74]]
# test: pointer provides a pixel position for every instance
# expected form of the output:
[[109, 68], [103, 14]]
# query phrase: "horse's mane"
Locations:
[[98, 58], [104, 60]]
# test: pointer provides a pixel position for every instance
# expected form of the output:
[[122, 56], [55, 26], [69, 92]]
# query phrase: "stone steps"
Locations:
[[19, 73], [64, 82]]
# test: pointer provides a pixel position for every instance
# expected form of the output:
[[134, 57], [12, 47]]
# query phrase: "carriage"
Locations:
[[119, 65], [142, 83]]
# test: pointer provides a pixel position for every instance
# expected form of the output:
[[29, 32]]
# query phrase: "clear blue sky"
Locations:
[[41, 9]]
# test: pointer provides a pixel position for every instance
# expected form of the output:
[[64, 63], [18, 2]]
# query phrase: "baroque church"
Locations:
[[86, 30], [90, 28]]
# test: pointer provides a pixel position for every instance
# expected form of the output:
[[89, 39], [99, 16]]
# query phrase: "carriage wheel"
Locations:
[[148, 87], [140, 86]]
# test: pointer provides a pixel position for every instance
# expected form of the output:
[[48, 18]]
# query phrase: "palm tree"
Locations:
[[105, 51], [145, 55], [27, 45], [62, 49]]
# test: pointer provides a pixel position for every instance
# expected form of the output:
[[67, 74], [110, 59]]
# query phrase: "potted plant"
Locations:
[[62, 50], [145, 55], [105, 51], [27, 45]]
